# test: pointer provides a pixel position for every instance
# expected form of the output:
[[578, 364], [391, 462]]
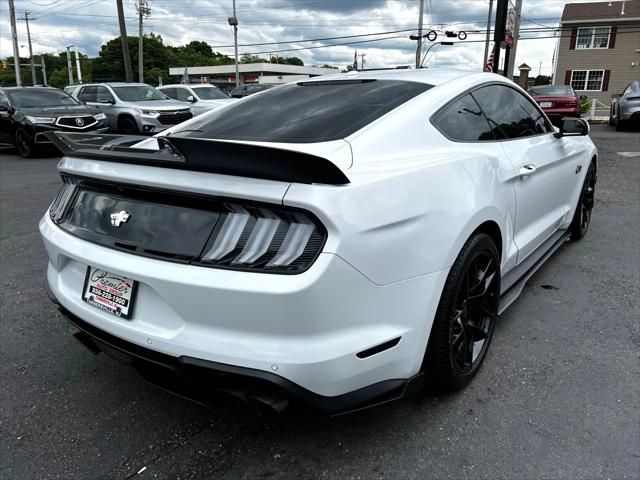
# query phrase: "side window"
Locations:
[[510, 114], [88, 94], [182, 94], [627, 90], [170, 92], [462, 120], [103, 95]]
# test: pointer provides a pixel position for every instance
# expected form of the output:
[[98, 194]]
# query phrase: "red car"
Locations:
[[557, 101]]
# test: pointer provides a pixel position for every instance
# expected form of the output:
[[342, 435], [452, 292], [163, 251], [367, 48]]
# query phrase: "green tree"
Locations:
[[542, 80], [250, 58]]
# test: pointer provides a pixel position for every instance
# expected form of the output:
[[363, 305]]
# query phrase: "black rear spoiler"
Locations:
[[200, 155]]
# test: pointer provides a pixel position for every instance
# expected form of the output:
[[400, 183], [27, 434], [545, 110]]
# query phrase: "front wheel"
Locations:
[[582, 215], [128, 126], [24, 144], [466, 315]]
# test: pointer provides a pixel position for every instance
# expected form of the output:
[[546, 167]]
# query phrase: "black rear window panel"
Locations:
[[306, 112]]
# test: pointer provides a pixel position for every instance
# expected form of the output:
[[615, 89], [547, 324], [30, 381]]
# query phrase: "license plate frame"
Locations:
[[109, 292], [546, 104]]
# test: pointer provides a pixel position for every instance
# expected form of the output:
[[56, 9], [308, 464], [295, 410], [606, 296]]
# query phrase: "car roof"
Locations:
[[115, 84], [38, 87], [431, 76]]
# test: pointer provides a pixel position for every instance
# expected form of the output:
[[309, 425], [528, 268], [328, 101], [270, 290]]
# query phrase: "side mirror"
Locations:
[[191, 99], [583, 98], [615, 95], [572, 127]]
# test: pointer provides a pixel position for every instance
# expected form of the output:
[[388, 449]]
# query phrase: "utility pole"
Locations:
[[486, 45], [143, 11], [419, 47], [14, 39], [362, 55], [498, 34], [233, 21], [45, 82], [516, 34], [33, 66], [78, 70], [125, 43], [69, 67]]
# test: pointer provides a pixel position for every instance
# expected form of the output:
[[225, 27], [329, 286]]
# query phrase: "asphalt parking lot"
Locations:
[[558, 396]]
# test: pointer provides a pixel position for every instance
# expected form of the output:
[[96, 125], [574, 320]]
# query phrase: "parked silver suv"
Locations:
[[133, 108]]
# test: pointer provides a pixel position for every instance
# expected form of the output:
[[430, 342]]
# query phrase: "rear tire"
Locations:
[[128, 126], [582, 215], [465, 320]]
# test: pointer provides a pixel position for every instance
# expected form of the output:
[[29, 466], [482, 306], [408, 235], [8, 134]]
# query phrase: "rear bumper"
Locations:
[[202, 381], [307, 330], [556, 114]]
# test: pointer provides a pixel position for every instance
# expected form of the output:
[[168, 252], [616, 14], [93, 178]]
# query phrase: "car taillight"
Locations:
[[260, 238], [66, 193]]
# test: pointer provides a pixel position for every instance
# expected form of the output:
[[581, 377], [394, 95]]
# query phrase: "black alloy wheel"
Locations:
[[466, 315], [128, 126], [23, 143], [582, 215]]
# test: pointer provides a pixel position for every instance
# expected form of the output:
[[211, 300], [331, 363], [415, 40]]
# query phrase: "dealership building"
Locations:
[[268, 73]]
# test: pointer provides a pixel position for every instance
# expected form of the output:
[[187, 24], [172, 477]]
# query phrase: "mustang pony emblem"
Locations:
[[120, 217]]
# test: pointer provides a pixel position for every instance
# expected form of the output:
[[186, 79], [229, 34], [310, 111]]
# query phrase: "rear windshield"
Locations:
[[552, 91], [40, 97], [313, 111]]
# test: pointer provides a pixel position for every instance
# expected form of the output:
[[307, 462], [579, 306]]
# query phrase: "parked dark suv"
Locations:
[[27, 112]]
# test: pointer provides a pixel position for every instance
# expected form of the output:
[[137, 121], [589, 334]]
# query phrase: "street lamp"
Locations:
[[233, 21], [429, 49]]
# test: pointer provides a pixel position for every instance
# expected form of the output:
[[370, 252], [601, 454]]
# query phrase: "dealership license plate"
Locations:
[[546, 104], [108, 292]]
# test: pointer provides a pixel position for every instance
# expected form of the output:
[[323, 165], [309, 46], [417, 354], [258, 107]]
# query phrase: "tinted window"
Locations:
[[169, 92], [210, 93], [510, 114], [40, 97], [552, 91], [182, 94], [314, 111], [464, 121], [88, 94], [103, 95]]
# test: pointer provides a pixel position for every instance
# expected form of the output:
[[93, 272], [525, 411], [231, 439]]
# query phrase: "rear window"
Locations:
[[552, 91], [313, 111]]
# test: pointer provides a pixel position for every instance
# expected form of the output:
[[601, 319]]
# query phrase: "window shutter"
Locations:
[[567, 78], [574, 38], [612, 37], [605, 80]]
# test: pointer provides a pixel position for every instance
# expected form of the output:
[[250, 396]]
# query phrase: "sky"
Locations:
[[89, 23]]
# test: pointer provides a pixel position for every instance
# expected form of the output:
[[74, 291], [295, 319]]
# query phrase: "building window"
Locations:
[[587, 80], [593, 37]]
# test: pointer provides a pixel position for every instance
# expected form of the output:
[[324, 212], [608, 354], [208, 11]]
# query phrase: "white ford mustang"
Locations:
[[338, 240]]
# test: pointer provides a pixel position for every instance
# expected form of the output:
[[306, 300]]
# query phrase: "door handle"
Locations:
[[527, 170]]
